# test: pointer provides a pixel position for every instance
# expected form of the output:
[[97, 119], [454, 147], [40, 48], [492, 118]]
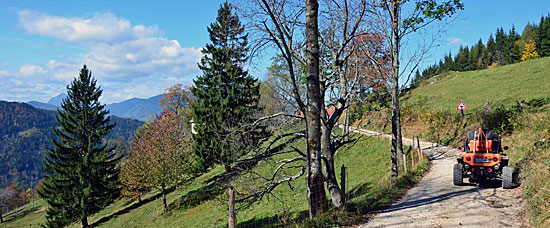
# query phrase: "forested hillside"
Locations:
[[501, 49], [26, 132]]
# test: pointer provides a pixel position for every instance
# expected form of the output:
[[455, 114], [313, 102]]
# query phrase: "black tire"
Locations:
[[507, 181], [457, 174]]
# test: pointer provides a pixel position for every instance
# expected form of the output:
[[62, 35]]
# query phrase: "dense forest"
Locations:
[[502, 49], [26, 132]]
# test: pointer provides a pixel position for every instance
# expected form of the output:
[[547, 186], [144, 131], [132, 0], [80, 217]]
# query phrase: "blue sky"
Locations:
[[140, 48]]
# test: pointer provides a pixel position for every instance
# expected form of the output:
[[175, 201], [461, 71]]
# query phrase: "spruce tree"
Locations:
[[227, 96], [491, 51], [543, 44], [80, 171], [476, 55]]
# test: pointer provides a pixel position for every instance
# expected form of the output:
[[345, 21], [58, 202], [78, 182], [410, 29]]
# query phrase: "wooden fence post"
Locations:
[[405, 162], [419, 150], [412, 157], [343, 182], [232, 212]]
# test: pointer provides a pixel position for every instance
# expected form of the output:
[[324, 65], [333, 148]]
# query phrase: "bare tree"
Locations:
[[280, 23], [341, 22], [396, 26]]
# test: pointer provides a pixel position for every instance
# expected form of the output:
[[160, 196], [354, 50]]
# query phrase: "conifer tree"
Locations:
[[80, 171], [476, 55], [491, 51], [226, 95], [543, 44]]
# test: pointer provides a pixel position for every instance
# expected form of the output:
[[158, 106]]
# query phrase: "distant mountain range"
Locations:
[[135, 108], [26, 132]]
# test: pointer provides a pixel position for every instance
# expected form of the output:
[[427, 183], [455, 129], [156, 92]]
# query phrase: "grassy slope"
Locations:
[[368, 177], [501, 85], [512, 83]]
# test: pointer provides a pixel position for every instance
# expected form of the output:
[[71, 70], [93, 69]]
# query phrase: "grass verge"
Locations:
[[367, 182]]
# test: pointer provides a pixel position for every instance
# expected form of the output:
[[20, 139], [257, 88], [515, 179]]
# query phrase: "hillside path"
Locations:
[[436, 202]]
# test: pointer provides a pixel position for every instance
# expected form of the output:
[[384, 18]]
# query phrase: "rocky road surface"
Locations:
[[436, 202]]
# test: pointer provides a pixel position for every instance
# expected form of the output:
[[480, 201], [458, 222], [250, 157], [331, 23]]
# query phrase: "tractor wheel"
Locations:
[[507, 177], [457, 174]]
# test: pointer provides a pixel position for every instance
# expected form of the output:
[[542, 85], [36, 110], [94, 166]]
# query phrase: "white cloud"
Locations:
[[127, 60], [143, 57], [455, 41], [4, 73], [101, 27], [30, 70]]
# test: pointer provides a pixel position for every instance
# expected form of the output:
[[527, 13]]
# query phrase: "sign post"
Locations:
[[461, 106]]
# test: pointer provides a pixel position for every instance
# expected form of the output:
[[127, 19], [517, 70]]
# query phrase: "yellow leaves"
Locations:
[[178, 99], [529, 52]]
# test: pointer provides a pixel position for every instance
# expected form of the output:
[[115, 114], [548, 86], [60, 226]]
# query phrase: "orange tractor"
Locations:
[[483, 158]]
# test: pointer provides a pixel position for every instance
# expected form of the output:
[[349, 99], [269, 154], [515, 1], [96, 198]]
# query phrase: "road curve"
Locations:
[[436, 202]]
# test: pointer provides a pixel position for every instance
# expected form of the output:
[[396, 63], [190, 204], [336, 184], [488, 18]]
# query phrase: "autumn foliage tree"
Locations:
[[7, 196], [178, 99], [370, 62], [529, 52], [133, 171], [161, 157]]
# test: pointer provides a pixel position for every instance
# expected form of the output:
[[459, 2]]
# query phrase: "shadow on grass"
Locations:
[[130, 208], [373, 199], [19, 213], [196, 197], [189, 200], [275, 221]]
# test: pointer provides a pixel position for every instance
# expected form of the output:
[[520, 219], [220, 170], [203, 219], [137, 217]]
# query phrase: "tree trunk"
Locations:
[[328, 157], [84, 222], [232, 212], [316, 190], [397, 143], [164, 199], [1, 218], [327, 149]]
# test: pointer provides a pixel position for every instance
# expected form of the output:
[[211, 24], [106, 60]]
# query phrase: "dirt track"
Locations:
[[436, 202]]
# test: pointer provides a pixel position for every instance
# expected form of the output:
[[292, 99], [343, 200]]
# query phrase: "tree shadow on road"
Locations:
[[429, 200]]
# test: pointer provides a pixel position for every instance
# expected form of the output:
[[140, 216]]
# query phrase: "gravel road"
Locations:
[[436, 202]]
